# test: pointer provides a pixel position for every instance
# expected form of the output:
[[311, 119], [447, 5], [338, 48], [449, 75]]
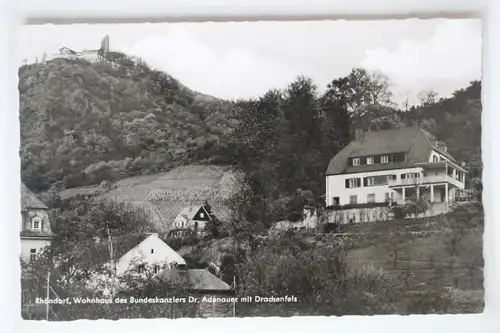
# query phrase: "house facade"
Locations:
[[391, 167], [191, 218], [140, 256], [142, 252], [35, 232]]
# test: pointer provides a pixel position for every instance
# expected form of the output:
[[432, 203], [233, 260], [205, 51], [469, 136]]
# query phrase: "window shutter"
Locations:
[[358, 181], [347, 183]]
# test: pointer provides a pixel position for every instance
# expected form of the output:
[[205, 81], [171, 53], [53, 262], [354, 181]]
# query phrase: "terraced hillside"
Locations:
[[439, 252], [165, 194]]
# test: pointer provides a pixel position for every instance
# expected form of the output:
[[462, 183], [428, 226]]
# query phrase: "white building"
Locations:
[[142, 256], [391, 167], [35, 232], [193, 217], [140, 252]]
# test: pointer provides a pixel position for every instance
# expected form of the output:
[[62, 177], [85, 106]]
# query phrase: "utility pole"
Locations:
[[48, 297], [234, 303]]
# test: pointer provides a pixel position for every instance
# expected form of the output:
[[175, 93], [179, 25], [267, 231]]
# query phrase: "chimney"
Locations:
[[358, 133]]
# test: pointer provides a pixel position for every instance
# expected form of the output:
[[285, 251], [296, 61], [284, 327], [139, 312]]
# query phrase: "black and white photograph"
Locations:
[[251, 169]]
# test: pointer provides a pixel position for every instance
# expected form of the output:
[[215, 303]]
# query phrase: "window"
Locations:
[[377, 180], [353, 199], [202, 215], [32, 254], [387, 197], [371, 198], [141, 268], [152, 251], [336, 201], [370, 160], [156, 269], [384, 159], [355, 161], [353, 182], [435, 158], [36, 223]]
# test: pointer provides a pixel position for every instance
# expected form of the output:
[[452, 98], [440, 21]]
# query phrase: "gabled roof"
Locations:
[[415, 142], [99, 254], [167, 210], [29, 200], [198, 279], [190, 212], [123, 244]]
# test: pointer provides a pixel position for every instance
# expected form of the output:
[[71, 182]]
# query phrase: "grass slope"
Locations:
[[163, 195]]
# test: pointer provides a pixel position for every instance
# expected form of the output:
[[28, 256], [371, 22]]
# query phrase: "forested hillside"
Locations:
[[83, 122]]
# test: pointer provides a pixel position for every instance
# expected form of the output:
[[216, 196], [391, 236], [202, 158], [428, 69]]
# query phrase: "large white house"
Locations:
[[390, 167]]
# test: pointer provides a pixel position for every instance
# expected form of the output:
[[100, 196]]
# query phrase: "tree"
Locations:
[[427, 98]]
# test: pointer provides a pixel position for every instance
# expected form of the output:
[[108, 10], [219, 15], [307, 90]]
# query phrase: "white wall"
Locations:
[[336, 186], [28, 244], [162, 254]]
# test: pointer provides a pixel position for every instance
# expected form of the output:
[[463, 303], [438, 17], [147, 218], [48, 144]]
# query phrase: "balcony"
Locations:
[[425, 180]]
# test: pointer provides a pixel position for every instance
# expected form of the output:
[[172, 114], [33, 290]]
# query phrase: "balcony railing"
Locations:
[[426, 180]]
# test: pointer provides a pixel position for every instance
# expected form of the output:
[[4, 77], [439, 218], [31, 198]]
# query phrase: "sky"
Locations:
[[244, 60]]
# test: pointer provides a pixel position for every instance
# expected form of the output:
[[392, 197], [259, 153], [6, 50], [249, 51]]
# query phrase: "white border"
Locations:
[[107, 11]]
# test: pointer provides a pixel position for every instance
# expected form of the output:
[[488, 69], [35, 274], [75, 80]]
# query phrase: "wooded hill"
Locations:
[[84, 122]]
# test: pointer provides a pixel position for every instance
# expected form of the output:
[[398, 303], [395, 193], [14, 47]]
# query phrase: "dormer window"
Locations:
[[36, 223], [370, 160], [356, 161], [435, 158], [384, 159]]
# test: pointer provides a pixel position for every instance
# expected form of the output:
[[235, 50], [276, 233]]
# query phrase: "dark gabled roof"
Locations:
[[415, 142], [29, 200], [198, 279], [168, 210]]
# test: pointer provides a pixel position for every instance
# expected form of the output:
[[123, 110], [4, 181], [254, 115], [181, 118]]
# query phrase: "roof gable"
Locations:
[[29, 200], [415, 142], [190, 211]]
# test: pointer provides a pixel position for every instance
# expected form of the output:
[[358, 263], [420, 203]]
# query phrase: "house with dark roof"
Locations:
[[391, 167], [35, 232], [192, 217]]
